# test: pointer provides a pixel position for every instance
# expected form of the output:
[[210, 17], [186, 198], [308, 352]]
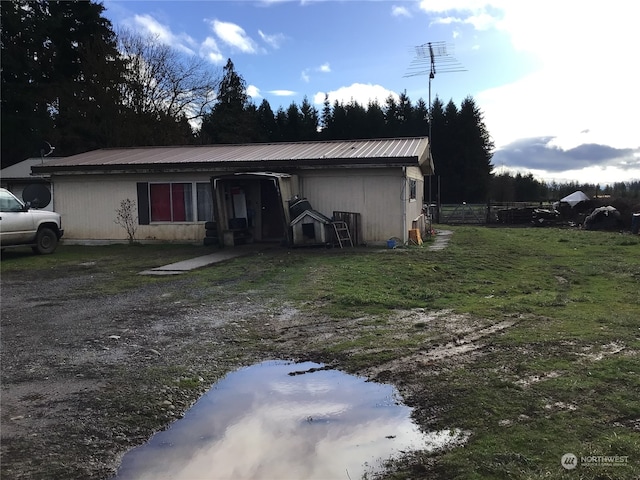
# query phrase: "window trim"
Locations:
[[413, 190], [144, 203]]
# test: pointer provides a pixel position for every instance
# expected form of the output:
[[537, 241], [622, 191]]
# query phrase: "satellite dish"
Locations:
[[37, 195], [46, 149]]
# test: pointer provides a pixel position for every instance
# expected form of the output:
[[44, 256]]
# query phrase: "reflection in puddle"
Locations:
[[264, 422]]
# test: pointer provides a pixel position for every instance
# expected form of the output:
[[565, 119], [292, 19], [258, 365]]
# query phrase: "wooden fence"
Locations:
[[481, 214]]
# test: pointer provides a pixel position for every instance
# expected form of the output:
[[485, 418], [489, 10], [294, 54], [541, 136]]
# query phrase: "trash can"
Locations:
[[635, 223]]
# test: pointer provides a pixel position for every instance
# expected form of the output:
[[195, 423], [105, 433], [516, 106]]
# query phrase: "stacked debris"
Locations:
[[604, 218], [516, 215], [543, 217]]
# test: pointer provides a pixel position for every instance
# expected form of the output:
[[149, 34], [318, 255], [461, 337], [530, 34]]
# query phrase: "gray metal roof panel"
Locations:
[[396, 148]]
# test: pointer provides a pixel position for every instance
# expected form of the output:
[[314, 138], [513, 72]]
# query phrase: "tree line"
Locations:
[[506, 187], [71, 81]]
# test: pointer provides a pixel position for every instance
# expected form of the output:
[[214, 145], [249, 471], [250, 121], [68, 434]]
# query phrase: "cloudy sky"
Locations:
[[556, 80]]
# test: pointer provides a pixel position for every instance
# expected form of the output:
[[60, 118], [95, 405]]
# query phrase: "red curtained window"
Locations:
[[171, 202]]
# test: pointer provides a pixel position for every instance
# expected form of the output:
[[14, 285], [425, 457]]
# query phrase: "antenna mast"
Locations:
[[427, 57]]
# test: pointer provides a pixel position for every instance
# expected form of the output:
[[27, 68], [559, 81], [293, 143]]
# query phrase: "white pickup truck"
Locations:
[[21, 225]]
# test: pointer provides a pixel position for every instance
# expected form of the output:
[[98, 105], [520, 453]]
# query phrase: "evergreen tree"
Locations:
[[375, 121], [60, 77], [444, 148], [404, 114], [293, 126], [326, 118], [267, 127], [309, 121], [356, 121], [281, 124], [339, 128], [391, 115], [228, 121], [418, 124], [475, 149]]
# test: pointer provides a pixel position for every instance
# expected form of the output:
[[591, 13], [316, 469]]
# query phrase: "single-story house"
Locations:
[[180, 190]]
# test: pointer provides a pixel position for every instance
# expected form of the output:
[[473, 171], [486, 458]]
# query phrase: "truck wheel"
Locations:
[[46, 241]]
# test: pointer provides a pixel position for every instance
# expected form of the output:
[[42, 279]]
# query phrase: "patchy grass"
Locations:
[[563, 378], [116, 265], [562, 375]]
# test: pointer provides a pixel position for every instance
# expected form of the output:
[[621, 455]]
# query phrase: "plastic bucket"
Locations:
[[391, 243]]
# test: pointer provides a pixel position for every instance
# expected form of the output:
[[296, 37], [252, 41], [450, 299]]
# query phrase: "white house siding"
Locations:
[[414, 207], [88, 202], [377, 194], [88, 207]]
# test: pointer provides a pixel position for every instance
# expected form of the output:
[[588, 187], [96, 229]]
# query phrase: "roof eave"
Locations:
[[229, 166]]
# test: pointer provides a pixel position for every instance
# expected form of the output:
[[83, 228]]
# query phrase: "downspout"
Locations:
[[403, 194]]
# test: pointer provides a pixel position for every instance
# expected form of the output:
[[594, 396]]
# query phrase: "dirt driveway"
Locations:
[[88, 375]]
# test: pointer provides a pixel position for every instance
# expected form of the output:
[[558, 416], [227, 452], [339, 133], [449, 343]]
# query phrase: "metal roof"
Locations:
[[22, 170], [397, 151]]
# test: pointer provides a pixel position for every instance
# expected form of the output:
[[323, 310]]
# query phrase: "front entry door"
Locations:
[[271, 211]]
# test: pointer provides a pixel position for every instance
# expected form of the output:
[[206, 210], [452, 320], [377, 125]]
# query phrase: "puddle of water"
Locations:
[[271, 421]]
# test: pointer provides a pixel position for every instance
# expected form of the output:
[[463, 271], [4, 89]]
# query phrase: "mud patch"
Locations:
[[602, 351]]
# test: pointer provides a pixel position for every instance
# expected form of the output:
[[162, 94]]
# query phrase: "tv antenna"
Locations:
[[429, 58]]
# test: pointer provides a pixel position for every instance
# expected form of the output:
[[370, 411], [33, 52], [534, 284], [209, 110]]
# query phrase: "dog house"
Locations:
[[311, 228]]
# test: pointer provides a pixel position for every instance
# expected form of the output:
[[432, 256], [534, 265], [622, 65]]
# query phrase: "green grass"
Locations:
[[572, 295], [116, 266]]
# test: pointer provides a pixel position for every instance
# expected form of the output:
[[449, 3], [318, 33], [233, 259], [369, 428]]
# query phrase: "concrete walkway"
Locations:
[[441, 240], [203, 261]]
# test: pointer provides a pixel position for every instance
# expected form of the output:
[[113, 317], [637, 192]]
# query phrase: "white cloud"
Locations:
[[234, 36], [585, 79], [324, 68], [358, 92], [209, 50], [274, 40], [580, 89], [283, 93], [149, 26], [253, 91], [443, 6], [398, 11]]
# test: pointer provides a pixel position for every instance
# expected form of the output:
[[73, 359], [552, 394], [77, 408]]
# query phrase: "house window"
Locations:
[[171, 202], [174, 202], [412, 189], [204, 202]]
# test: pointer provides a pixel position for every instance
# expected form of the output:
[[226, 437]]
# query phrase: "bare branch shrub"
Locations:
[[127, 218]]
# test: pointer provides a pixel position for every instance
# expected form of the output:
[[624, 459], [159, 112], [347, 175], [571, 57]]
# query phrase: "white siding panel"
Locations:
[[375, 194], [414, 207], [88, 207]]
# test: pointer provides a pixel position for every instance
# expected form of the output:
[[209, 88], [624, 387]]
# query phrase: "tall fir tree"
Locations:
[[310, 121], [375, 121], [60, 77], [475, 149], [267, 127], [228, 121]]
